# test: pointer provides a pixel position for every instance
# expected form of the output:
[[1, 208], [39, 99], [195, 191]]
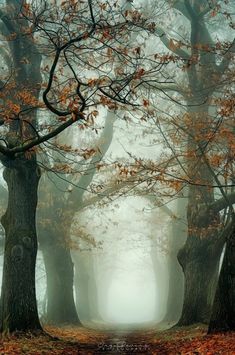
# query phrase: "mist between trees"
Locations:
[[117, 152]]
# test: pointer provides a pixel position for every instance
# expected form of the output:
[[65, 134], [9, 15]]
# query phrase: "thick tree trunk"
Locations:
[[223, 311], [18, 298], [60, 275], [54, 222], [199, 258], [200, 264]]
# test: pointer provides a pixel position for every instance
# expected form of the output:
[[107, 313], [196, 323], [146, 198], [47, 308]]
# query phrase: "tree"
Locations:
[[223, 311], [60, 202], [70, 35], [200, 55]]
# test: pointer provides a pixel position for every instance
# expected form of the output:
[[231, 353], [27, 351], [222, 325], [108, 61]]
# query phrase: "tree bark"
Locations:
[[199, 259], [18, 298], [223, 311]]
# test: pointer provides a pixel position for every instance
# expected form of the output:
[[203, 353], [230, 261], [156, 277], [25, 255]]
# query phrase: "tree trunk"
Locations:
[[175, 291], [82, 293], [54, 223], [176, 277], [200, 264], [18, 298], [223, 311], [93, 291], [82, 301], [60, 276], [199, 258], [86, 288]]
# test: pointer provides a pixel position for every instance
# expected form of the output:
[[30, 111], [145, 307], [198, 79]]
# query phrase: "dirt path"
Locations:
[[151, 341]]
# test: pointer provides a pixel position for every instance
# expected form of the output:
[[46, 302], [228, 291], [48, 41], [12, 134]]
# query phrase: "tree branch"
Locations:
[[167, 42], [102, 147], [222, 203], [10, 152], [227, 59]]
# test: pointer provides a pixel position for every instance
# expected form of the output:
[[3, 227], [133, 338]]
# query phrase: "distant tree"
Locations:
[[61, 198]]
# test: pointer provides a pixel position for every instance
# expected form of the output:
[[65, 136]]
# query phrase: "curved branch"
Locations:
[[11, 152], [168, 43]]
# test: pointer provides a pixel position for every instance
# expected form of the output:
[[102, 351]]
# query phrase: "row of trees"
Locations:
[[201, 153], [50, 83], [44, 52]]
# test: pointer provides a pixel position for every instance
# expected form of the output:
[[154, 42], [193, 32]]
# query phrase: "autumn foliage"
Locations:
[[74, 341]]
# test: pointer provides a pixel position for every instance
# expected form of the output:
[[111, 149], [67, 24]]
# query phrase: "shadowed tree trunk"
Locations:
[[198, 93], [18, 298], [200, 266], [54, 225], [199, 257], [223, 311]]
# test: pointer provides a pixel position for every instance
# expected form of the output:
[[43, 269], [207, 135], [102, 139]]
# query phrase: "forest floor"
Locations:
[[84, 341]]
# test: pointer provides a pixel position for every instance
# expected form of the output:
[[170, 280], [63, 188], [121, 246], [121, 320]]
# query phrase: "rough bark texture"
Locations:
[[199, 257], [200, 266], [18, 298], [198, 250], [223, 312]]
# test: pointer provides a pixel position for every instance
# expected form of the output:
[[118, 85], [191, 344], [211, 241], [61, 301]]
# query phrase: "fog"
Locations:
[[128, 290], [117, 164]]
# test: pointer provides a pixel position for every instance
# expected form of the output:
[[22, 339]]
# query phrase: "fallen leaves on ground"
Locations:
[[80, 340]]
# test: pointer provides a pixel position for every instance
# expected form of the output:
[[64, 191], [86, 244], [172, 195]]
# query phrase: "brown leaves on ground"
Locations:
[[75, 341], [191, 340]]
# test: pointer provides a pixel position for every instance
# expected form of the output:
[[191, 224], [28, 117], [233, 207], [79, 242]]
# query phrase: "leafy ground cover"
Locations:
[[76, 341]]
